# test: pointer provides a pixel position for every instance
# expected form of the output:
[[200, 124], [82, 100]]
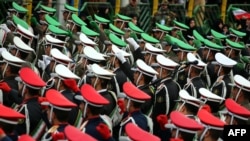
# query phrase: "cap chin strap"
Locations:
[[179, 107], [85, 110], [238, 94], [218, 73], [5, 68], [24, 86], [189, 71], [128, 104], [138, 79], [58, 83], [207, 54], [50, 114], [96, 81], [230, 52], [182, 55]]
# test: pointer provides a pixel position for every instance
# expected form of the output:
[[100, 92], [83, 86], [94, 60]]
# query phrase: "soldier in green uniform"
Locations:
[[164, 16], [132, 10]]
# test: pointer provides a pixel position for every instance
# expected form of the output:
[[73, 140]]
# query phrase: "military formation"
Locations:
[[111, 81]]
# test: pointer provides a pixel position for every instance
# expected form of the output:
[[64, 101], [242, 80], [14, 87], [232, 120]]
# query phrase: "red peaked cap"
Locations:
[[134, 93], [10, 114], [25, 137], [137, 134], [74, 134], [55, 98], [236, 109], [209, 119], [92, 96], [31, 78], [182, 121]]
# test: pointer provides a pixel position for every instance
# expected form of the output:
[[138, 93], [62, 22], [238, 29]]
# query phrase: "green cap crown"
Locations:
[[57, 31], [198, 36], [237, 33], [169, 40], [19, 21], [149, 38], [182, 45], [116, 40], [122, 17], [48, 9], [101, 19], [88, 31], [212, 45], [163, 27], [135, 28], [19, 8], [218, 35], [77, 20], [180, 25], [234, 45], [70, 8], [116, 29], [51, 21]]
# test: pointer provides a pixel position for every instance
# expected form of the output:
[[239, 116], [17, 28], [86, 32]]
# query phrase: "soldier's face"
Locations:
[[204, 53], [147, 58], [133, 2], [47, 49], [42, 16]]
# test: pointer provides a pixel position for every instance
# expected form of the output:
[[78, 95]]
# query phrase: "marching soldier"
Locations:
[[223, 67], [58, 114], [133, 102], [120, 78], [30, 86], [194, 81], [96, 125], [10, 66], [166, 94], [182, 49], [142, 75], [100, 79], [65, 82], [208, 55]]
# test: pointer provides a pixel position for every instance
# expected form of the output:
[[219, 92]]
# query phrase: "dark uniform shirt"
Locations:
[[166, 94], [194, 85], [34, 113], [108, 109]]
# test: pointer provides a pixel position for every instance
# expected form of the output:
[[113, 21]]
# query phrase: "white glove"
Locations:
[[133, 43], [46, 60], [120, 56], [41, 64], [5, 28]]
